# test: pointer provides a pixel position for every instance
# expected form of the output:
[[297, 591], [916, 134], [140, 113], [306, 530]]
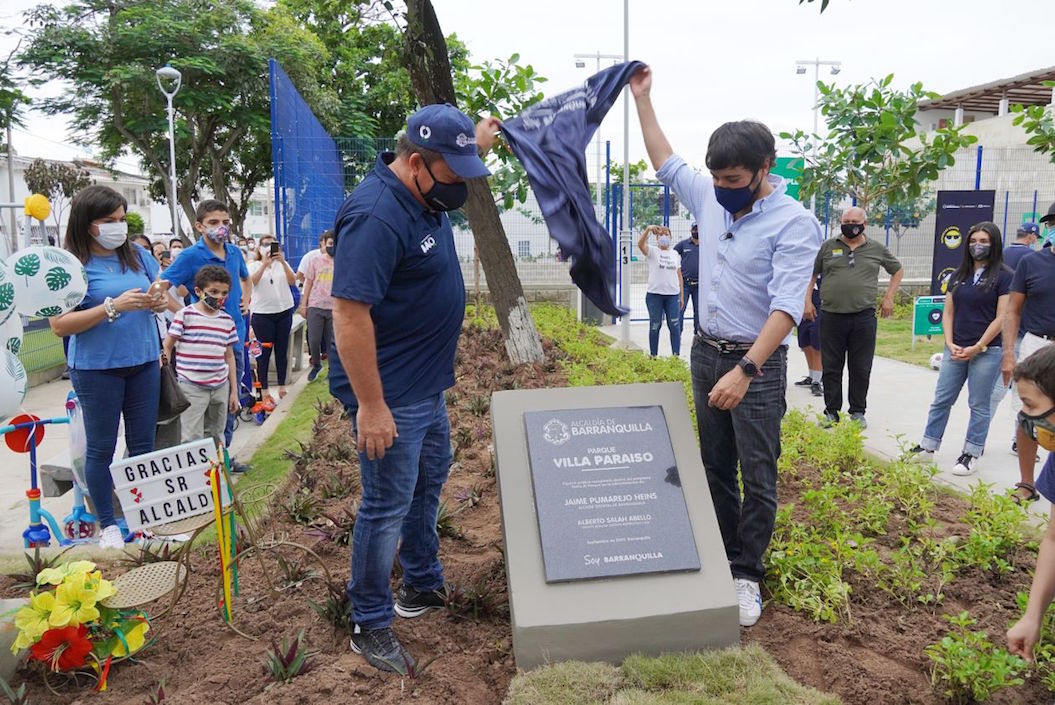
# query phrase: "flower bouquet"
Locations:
[[68, 629]]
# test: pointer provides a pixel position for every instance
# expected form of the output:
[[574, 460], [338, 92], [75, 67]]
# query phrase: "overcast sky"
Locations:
[[718, 60]]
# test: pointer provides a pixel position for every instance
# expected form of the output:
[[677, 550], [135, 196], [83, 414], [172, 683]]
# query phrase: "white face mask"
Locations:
[[112, 235]]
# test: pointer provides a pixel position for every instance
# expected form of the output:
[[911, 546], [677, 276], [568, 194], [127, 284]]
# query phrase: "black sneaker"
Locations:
[[817, 389], [314, 372], [239, 468], [410, 603], [804, 382], [381, 649]]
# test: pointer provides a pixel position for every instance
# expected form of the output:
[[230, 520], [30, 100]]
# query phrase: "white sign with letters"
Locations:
[[166, 485]]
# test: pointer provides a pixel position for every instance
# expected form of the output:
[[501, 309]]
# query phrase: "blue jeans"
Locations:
[[691, 291], [660, 306], [239, 366], [105, 395], [980, 373], [1000, 389], [401, 497], [748, 435]]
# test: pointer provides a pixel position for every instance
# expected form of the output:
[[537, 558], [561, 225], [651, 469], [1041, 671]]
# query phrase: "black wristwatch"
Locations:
[[749, 368]]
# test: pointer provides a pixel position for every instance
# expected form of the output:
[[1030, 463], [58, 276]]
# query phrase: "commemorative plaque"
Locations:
[[607, 493]]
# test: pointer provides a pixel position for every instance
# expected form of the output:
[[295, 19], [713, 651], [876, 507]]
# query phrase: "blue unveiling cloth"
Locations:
[[550, 139]]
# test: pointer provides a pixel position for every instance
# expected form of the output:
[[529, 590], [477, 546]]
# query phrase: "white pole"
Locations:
[[11, 188], [624, 233], [597, 189], [172, 165]]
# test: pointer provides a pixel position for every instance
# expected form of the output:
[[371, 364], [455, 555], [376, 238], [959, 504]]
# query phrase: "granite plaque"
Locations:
[[608, 496]]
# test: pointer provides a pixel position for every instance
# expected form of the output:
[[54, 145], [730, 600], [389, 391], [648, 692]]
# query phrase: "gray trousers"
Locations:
[[207, 415], [320, 333]]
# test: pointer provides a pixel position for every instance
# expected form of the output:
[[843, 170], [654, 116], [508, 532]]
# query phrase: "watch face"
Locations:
[[749, 367]]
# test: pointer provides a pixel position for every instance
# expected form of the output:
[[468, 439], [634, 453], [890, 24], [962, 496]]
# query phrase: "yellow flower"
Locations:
[[103, 588], [55, 576], [135, 637], [34, 619], [74, 604]]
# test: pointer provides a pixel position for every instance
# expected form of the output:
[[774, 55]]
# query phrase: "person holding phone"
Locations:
[[272, 313]]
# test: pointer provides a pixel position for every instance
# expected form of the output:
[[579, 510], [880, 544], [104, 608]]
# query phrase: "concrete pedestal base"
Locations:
[[609, 619]]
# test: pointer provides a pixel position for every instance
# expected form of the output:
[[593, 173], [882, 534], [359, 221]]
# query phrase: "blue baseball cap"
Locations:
[[1029, 229], [444, 129]]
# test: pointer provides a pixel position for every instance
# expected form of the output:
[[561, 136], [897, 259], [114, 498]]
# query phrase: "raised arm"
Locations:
[[659, 149]]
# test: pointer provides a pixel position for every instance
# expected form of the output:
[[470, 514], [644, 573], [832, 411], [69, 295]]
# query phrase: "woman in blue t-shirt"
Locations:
[[974, 314], [114, 350]]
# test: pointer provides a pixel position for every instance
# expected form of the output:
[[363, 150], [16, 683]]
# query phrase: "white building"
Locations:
[[132, 186]]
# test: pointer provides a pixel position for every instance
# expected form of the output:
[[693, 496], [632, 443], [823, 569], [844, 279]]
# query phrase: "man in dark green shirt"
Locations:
[[850, 266]]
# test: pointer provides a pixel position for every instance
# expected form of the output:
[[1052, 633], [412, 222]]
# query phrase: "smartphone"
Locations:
[[275, 248]]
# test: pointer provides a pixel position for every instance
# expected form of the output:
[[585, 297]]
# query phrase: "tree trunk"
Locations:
[[430, 77]]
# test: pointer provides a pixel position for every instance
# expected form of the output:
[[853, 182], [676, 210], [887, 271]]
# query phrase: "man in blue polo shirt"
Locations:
[[399, 300], [1030, 311], [757, 247], [212, 221], [689, 249]]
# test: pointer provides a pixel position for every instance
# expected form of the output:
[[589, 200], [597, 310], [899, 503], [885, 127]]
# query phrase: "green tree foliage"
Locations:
[[1039, 123], [58, 181], [873, 151], [12, 99], [108, 50], [135, 223]]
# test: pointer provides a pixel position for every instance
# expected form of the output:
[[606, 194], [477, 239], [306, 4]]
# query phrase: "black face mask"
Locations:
[[979, 252], [443, 196], [852, 230], [330, 249]]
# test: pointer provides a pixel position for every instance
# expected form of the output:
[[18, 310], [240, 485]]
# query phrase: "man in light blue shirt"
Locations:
[[757, 247]]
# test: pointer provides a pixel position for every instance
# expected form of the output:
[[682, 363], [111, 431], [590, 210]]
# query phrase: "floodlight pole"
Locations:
[[175, 79], [800, 67], [624, 232], [580, 63]]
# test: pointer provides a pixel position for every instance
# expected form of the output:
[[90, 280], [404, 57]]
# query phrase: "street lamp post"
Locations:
[[800, 69], [624, 232], [172, 78]]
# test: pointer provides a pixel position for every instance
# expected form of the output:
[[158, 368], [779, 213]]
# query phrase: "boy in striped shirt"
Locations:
[[202, 337]]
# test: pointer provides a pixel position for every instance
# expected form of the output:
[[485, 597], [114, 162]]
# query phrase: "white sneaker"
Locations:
[[963, 465], [112, 538], [750, 598]]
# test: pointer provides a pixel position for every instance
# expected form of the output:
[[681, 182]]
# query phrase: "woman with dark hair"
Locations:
[[974, 313], [272, 307], [114, 348]]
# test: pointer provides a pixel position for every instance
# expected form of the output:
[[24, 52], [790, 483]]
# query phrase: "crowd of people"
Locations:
[[196, 307], [386, 288]]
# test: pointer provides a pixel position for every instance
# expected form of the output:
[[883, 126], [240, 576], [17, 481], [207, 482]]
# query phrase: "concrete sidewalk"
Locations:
[[48, 401], [898, 401]]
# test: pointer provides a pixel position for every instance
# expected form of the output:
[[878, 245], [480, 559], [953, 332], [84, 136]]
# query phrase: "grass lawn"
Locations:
[[894, 340], [41, 350]]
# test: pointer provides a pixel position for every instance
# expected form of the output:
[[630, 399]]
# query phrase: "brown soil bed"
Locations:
[[877, 659]]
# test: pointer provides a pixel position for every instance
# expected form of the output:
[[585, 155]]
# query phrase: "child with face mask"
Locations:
[[1035, 377], [201, 344]]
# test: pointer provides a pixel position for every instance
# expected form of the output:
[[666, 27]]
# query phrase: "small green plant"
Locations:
[[336, 487], [149, 552], [469, 497], [341, 524], [445, 521], [476, 601], [479, 405], [156, 696], [35, 563], [336, 608], [15, 697], [293, 573], [302, 506], [967, 666], [291, 660], [411, 670]]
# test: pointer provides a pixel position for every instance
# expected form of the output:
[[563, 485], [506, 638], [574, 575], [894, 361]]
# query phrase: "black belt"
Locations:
[[724, 347], [1042, 335]]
